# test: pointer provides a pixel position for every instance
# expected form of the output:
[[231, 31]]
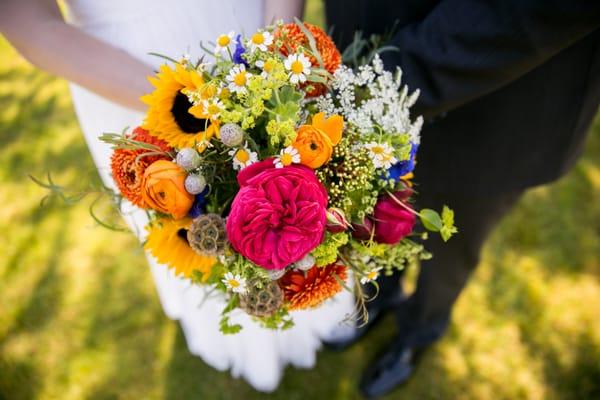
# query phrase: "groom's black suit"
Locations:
[[509, 88]]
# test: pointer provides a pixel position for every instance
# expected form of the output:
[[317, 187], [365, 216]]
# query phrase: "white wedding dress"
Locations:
[[175, 28]]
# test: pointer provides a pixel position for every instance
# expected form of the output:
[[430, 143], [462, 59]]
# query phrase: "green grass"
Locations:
[[79, 317]]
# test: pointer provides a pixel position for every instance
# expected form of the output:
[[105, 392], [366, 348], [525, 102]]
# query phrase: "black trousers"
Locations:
[[423, 316]]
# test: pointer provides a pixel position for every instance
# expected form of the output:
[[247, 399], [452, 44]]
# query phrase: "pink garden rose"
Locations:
[[392, 220], [279, 214]]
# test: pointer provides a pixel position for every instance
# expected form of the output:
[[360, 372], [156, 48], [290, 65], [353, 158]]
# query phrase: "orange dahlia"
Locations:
[[128, 167], [306, 289], [292, 39]]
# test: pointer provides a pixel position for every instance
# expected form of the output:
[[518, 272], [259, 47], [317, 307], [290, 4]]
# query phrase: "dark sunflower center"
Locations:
[[182, 233], [186, 121]]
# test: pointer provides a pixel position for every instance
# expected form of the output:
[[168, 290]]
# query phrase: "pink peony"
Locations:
[[392, 220], [279, 214]]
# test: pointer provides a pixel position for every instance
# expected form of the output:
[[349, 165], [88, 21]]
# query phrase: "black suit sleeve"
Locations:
[[464, 49]]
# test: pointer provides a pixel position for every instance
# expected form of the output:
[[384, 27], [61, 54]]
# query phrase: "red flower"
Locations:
[[393, 221], [309, 289], [278, 216]]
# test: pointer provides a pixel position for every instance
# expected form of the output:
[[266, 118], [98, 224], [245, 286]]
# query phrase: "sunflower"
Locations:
[[293, 39], [307, 289], [168, 117], [167, 241], [128, 166]]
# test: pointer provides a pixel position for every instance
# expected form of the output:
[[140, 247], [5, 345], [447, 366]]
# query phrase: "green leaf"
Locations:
[[228, 329], [431, 220], [285, 103]]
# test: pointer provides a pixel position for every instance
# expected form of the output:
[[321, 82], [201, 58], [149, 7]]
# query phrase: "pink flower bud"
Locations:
[[364, 230], [336, 220]]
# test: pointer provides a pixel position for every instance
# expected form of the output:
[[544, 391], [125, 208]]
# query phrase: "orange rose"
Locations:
[[163, 189], [315, 142]]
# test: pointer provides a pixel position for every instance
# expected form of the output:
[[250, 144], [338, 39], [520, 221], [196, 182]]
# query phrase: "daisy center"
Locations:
[[286, 159], [378, 150], [233, 283], [372, 275], [258, 38], [297, 67], [223, 40], [213, 109], [240, 78], [242, 156]]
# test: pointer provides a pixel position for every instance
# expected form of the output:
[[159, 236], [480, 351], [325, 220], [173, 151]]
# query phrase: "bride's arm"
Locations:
[[37, 30], [283, 9]]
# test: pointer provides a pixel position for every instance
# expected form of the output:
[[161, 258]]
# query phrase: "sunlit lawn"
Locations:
[[79, 317]]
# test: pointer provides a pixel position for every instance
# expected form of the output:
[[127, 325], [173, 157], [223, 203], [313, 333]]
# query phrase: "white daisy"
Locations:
[[371, 275], [242, 157], [299, 67], [266, 66], [235, 283], [288, 156], [238, 78], [260, 40], [382, 154], [213, 107], [223, 42]]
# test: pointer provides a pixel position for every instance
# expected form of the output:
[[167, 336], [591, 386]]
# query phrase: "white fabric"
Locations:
[[173, 28]]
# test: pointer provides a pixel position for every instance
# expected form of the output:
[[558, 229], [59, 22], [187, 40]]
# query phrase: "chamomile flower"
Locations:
[[288, 156], [223, 42], [238, 79], [299, 67], [260, 40], [213, 107], [382, 154], [267, 67], [370, 275], [235, 283], [242, 157]]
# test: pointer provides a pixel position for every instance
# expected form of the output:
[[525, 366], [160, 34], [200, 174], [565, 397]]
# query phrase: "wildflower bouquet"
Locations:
[[276, 174]]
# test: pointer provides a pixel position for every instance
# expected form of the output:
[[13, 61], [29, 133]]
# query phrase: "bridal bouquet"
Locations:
[[275, 173]]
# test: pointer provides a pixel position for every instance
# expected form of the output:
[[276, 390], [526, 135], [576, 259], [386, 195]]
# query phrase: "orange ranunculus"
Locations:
[[163, 189], [315, 142]]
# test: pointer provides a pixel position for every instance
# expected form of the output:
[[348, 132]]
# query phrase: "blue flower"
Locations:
[[239, 50], [199, 204], [402, 168]]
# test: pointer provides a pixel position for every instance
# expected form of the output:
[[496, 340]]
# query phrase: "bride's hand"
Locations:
[[37, 30], [283, 9]]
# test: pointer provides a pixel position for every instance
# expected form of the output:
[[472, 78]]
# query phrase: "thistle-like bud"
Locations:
[[336, 220], [207, 235], [194, 183], [188, 159], [306, 263], [263, 301], [275, 274], [231, 135]]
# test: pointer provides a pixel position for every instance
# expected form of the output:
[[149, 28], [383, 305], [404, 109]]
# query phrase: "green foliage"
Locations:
[[225, 326], [327, 252], [433, 222], [281, 320], [390, 257]]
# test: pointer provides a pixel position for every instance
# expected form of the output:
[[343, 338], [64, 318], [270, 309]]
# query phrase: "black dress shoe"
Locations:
[[390, 370], [376, 311]]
